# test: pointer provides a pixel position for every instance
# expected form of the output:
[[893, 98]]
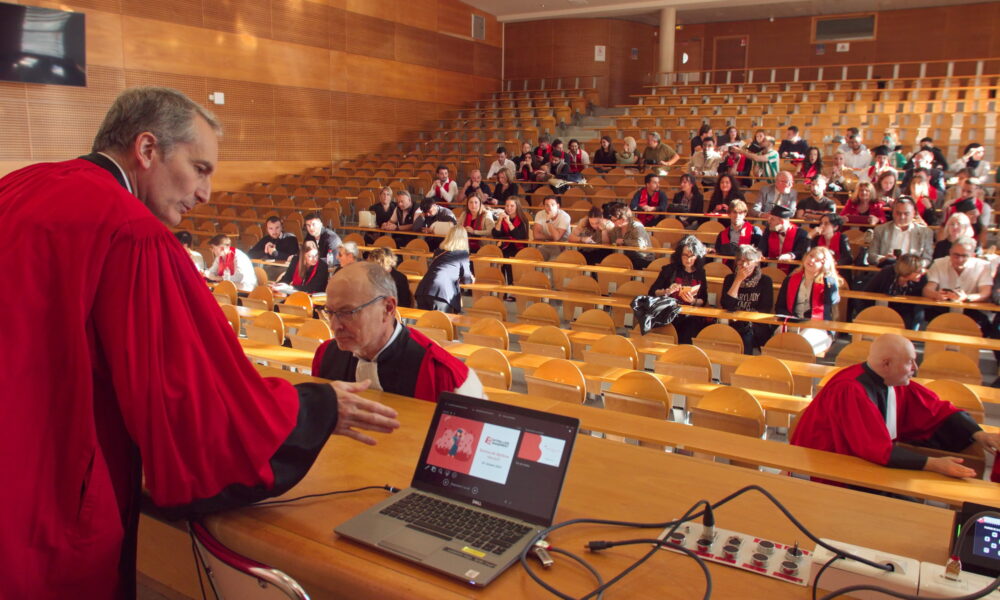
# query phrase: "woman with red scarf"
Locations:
[[810, 293], [865, 206], [305, 272], [230, 264], [812, 166], [512, 224], [478, 220], [828, 235]]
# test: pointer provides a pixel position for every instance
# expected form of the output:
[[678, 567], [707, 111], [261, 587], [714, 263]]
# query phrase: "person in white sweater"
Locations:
[[230, 264]]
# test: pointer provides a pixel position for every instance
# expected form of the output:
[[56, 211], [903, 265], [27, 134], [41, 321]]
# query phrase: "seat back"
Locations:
[[299, 304], [233, 316], [638, 393], [267, 328], [629, 289], [960, 395], [547, 340], [792, 346], [720, 337], [731, 409], [436, 325], [853, 353], [532, 279], [262, 278], [950, 365], [594, 320], [610, 281], [612, 351], [953, 323], [764, 373], [310, 335], [487, 274], [488, 250], [385, 241], [488, 306], [234, 576], [225, 292], [558, 379], [877, 315], [528, 253], [685, 363], [488, 332], [261, 298], [581, 284], [492, 367], [539, 313], [560, 276], [412, 267], [417, 245], [716, 269]]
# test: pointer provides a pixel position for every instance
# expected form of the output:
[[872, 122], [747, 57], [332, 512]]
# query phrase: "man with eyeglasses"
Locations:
[[961, 277], [370, 344]]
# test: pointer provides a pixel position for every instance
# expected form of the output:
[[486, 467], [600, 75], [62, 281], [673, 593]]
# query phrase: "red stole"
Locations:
[[227, 262], [576, 165], [441, 186], [834, 244], [979, 206], [815, 297], [746, 233], [512, 225], [297, 278], [786, 247]]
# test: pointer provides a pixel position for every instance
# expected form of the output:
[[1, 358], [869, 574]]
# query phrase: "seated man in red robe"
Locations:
[[370, 344], [121, 366], [783, 240], [865, 409]]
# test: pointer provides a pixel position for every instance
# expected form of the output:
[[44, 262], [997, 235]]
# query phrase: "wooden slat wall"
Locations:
[[305, 82]]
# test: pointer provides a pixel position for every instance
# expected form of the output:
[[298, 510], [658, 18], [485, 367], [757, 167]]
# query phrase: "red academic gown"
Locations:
[[119, 361], [844, 419]]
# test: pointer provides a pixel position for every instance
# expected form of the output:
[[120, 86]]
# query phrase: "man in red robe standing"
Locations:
[[117, 362], [865, 409]]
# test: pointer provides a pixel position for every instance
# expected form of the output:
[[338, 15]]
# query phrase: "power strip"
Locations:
[[743, 551], [904, 578], [934, 585]]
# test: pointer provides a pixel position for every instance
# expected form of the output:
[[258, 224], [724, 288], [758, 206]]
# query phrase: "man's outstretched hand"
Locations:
[[355, 412]]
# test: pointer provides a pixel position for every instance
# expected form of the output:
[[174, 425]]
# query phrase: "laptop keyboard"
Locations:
[[451, 521]]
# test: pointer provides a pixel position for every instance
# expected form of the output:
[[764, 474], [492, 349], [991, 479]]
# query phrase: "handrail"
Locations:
[[839, 72], [571, 82]]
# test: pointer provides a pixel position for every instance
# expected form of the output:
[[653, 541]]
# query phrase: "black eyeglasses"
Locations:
[[346, 316]]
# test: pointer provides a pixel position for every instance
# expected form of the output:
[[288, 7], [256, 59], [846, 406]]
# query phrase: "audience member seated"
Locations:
[[839, 176], [382, 210], [186, 240], [687, 200], [512, 225], [864, 206], [555, 167], [734, 163], [972, 158], [649, 199], [766, 160], [347, 254], [857, 159], [937, 159], [812, 165], [230, 264], [505, 188], [604, 158], [954, 190], [924, 196], [730, 138], [502, 163], [779, 193], [592, 230], [882, 163], [684, 280], [628, 156], [793, 146], [739, 233], [658, 156], [276, 243], [961, 277], [552, 224], [474, 184], [440, 287], [542, 151], [705, 162], [629, 232], [899, 236], [748, 289], [816, 204], [886, 191], [907, 276], [868, 409], [828, 234], [477, 220], [842, 139], [704, 132], [526, 162], [727, 189], [326, 239], [577, 160], [432, 213], [306, 272], [403, 217], [369, 343], [783, 240], [386, 258], [811, 292], [958, 225], [443, 188], [971, 203], [924, 162]]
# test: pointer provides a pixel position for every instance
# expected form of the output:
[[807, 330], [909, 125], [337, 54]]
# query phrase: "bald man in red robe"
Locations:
[[865, 409], [117, 363]]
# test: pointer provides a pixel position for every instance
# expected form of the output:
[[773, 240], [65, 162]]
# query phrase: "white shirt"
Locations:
[[562, 221], [245, 278], [975, 274], [128, 184], [448, 192], [496, 166], [860, 161], [903, 239]]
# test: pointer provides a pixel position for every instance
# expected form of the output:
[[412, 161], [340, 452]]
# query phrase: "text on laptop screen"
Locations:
[[496, 456]]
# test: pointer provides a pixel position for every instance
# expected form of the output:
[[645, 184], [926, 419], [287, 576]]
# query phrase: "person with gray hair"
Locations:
[[657, 156], [134, 375], [961, 277], [370, 344], [748, 289]]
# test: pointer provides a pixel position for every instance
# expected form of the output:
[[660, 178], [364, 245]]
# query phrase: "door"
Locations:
[[687, 55], [730, 54]]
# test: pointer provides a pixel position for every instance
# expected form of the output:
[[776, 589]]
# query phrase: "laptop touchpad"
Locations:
[[411, 542]]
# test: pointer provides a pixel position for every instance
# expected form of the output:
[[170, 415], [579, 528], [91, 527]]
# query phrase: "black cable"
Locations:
[[386, 487], [819, 573], [586, 565], [198, 564], [874, 588]]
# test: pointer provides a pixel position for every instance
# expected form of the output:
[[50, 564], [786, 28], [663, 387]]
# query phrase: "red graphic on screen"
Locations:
[[455, 443], [531, 447]]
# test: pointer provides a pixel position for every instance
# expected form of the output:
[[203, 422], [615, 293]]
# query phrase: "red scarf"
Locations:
[[227, 262], [746, 234], [772, 245], [951, 209], [644, 198], [576, 165], [834, 244], [297, 278], [816, 310], [441, 186], [507, 227]]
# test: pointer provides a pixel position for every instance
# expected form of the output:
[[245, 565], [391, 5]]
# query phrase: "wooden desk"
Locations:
[[606, 479]]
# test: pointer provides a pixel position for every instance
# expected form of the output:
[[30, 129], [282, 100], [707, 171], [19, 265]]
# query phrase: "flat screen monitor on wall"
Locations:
[[42, 45]]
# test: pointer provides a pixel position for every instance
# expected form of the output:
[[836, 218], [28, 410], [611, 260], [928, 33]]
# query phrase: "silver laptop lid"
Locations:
[[503, 458]]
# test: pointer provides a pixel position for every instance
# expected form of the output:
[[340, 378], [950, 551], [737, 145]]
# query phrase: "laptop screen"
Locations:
[[503, 458]]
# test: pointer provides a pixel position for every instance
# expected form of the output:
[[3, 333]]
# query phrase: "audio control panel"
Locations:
[[742, 551]]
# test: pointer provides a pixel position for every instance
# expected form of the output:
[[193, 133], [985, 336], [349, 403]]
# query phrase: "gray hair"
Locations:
[[653, 135], [748, 253], [380, 280], [167, 114], [964, 240], [352, 248]]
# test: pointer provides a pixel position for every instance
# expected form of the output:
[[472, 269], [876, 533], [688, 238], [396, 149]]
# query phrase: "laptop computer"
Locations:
[[488, 479]]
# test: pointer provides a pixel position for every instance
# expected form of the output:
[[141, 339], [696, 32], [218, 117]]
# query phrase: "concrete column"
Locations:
[[668, 24]]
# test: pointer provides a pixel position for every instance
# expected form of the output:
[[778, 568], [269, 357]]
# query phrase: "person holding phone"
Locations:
[[684, 280]]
